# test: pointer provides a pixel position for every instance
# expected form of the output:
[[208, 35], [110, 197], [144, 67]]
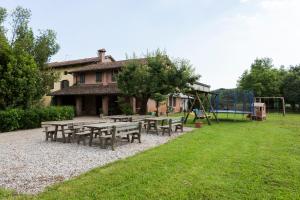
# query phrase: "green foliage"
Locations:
[[291, 86], [157, 97], [125, 106], [13, 119], [23, 77], [54, 113], [156, 75], [263, 78], [266, 80]]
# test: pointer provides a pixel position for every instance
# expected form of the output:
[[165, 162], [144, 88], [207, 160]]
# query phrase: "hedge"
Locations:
[[13, 119]]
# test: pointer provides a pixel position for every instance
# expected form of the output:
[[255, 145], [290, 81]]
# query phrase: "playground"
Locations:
[[231, 102]]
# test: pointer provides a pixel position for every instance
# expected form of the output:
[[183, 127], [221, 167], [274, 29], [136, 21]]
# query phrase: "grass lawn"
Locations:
[[230, 160]]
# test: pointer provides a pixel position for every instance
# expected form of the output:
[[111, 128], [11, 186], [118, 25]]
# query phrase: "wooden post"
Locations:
[[202, 106], [283, 106], [211, 107], [190, 109], [113, 137]]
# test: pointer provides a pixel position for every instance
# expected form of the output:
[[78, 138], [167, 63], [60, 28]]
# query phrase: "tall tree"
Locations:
[[291, 86], [23, 76], [155, 77], [263, 78]]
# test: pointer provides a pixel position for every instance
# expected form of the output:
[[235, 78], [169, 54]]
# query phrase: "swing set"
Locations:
[[197, 91]]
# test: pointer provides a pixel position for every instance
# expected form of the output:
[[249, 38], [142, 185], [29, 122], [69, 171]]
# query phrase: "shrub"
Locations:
[[13, 119], [30, 119], [125, 106], [56, 113], [10, 119]]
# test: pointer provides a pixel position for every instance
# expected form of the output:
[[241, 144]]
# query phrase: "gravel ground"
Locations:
[[28, 163]]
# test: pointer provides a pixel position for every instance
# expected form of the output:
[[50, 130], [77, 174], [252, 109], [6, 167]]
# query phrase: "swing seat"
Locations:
[[199, 114]]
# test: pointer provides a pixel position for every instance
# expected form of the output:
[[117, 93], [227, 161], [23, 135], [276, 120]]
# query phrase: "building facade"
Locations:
[[90, 86]]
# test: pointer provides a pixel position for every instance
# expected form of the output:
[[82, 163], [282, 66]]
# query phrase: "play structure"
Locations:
[[259, 112], [199, 96], [273, 104], [233, 102], [207, 105]]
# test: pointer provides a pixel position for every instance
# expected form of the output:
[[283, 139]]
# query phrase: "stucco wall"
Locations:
[[151, 105], [46, 100]]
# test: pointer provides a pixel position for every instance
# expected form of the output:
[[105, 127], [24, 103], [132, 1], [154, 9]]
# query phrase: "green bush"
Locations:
[[55, 113], [13, 119], [10, 119], [30, 119]]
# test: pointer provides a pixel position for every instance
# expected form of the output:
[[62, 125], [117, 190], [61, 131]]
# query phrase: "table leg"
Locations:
[[47, 134], [63, 133], [91, 136], [148, 127], [55, 133], [156, 127]]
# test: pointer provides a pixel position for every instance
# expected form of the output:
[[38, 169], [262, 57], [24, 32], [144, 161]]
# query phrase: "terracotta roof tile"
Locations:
[[78, 62], [88, 89], [103, 66]]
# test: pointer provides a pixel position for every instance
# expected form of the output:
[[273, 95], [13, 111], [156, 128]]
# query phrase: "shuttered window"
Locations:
[[82, 78], [98, 77]]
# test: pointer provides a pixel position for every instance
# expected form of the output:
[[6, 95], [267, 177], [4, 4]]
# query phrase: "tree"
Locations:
[[291, 86], [157, 97], [154, 77], [24, 79], [263, 79]]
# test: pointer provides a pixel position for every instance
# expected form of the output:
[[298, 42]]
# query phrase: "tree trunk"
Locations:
[[143, 110], [157, 106]]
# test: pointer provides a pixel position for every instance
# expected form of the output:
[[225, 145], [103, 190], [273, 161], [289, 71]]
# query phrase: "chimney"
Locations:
[[101, 54]]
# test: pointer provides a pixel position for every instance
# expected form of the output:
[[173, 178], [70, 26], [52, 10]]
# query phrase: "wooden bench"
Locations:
[[82, 135], [177, 123], [52, 134], [133, 129], [49, 133]]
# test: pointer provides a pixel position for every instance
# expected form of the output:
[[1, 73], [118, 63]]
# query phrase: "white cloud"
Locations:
[[224, 49]]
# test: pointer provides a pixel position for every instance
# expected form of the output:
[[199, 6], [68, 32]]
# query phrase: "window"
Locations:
[[170, 100], [81, 78], [174, 101], [64, 84], [114, 75], [98, 77]]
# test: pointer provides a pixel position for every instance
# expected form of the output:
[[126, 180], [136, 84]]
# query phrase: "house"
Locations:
[[90, 86]]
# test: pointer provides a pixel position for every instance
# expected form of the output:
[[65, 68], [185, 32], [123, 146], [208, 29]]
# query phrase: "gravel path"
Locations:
[[28, 163]]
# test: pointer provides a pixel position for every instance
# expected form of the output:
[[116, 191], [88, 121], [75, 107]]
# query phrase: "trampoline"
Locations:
[[232, 111], [233, 101]]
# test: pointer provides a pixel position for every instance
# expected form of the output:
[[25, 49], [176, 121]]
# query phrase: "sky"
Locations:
[[220, 38]]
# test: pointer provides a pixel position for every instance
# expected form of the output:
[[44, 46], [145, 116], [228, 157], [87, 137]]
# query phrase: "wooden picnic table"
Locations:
[[60, 126], [155, 121], [101, 126], [141, 117], [121, 118]]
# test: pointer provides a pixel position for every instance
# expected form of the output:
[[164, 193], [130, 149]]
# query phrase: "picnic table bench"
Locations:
[[67, 129], [153, 123], [114, 131], [175, 122], [121, 118]]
